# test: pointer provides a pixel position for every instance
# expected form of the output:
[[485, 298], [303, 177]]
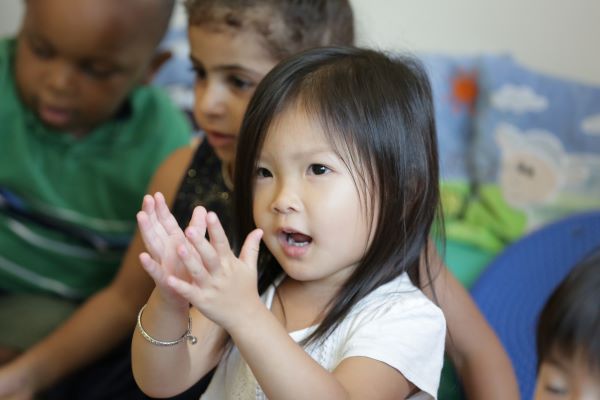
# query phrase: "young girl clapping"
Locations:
[[339, 178]]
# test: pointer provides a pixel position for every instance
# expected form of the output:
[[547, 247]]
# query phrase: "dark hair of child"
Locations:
[[569, 324], [378, 115]]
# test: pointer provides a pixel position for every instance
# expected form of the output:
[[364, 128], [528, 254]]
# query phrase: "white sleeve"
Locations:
[[407, 334]]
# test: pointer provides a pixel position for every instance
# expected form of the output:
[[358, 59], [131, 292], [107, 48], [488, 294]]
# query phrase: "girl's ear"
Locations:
[[158, 60]]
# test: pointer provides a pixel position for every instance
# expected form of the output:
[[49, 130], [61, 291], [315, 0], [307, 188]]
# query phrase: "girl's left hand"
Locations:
[[223, 287]]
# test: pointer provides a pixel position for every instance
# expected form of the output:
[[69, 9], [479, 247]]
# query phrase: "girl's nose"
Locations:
[[286, 201], [210, 99]]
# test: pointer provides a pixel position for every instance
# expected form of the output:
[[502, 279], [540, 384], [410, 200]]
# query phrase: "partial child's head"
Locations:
[[373, 116], [77, 60], [234, 43], [568, 336]]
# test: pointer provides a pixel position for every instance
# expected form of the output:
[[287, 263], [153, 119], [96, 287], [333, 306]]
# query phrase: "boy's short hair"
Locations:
[[164, 14], [569, 323], [288, 26], [158, 16]]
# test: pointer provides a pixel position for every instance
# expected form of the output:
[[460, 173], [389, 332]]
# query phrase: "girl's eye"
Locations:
[[200, 72], [318, 169], [556, 390], [263, 173], [240, 83]]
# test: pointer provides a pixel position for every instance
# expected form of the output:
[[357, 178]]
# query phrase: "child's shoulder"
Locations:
[[11, 107], [151, 113], [398, 325], [398, 290], [7, 49], [399, 298], [151, 101]]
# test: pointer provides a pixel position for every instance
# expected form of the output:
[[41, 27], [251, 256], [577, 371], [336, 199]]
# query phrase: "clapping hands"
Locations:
[[189, 268]]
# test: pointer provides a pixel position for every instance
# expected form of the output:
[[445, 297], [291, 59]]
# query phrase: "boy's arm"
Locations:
[[96, 327], [481, 362], [104, 320]]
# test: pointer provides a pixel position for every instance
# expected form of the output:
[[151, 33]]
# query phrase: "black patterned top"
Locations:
[[203, 184]]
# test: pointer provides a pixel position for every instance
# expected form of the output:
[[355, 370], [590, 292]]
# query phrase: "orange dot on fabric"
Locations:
[[464, 88]]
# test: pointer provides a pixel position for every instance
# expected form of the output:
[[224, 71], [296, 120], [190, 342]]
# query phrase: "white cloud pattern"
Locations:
[[518, 99], [591, 125]]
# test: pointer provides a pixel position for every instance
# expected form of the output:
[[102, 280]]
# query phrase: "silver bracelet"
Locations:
[[186, 336]]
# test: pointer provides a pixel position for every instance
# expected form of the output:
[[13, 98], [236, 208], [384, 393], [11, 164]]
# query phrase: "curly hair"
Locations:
[[288, 26]]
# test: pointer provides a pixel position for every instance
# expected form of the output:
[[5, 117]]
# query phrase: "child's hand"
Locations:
[[161, 235], [223, 288]]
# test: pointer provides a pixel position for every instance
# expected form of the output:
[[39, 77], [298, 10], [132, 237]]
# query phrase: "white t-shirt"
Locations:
[[395, 324]]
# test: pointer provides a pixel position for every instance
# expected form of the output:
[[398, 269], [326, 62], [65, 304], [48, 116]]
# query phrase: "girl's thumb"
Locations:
[[249, 252]]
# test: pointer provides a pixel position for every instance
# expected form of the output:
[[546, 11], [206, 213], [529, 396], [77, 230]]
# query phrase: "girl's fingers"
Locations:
[[148, 233], [210, 258], [148, 212], [148, 204], [184, 289], [164, 216], [198, 220], [150, 226], [152, 268], [193, 264], [251, 247], [217, 235]]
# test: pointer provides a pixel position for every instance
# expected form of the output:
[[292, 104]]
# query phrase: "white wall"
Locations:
[[554, 36], [10, 16]]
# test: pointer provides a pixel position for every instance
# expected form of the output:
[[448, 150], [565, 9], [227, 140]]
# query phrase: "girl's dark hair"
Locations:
[[377, 113], [569, 323], [288, 26]]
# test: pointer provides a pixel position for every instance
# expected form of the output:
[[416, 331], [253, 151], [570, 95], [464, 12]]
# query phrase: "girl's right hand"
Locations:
[[162, 235]]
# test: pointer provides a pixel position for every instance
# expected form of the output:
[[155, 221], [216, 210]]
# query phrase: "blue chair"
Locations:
[[513, 289]]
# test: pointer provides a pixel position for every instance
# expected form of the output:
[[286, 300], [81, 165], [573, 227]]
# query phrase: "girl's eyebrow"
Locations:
[[226, 67], [303, 154], [313, 152], [558, 362]]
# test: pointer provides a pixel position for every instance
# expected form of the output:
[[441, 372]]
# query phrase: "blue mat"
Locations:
[[513, 289]]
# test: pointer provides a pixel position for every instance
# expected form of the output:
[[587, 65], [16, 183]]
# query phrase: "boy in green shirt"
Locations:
[[80, 138]]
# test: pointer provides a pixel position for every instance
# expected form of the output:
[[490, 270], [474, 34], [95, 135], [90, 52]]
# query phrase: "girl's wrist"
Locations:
[[163, 321], [170, 301], [167, 307], [247, 318], [187, 335]]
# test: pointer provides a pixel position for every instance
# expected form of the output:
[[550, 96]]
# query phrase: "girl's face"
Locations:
[[563, 379], [229, 65], [307, 203]]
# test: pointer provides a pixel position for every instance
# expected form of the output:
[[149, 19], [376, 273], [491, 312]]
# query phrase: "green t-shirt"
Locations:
[[59, 194]]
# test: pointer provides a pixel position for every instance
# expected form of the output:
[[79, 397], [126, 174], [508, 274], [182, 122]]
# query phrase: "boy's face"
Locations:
[[229, 65], [77, 60], [563, 379]]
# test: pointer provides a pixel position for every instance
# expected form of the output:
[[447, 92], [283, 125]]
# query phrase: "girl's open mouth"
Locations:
[[294, 244], [297, 239]]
